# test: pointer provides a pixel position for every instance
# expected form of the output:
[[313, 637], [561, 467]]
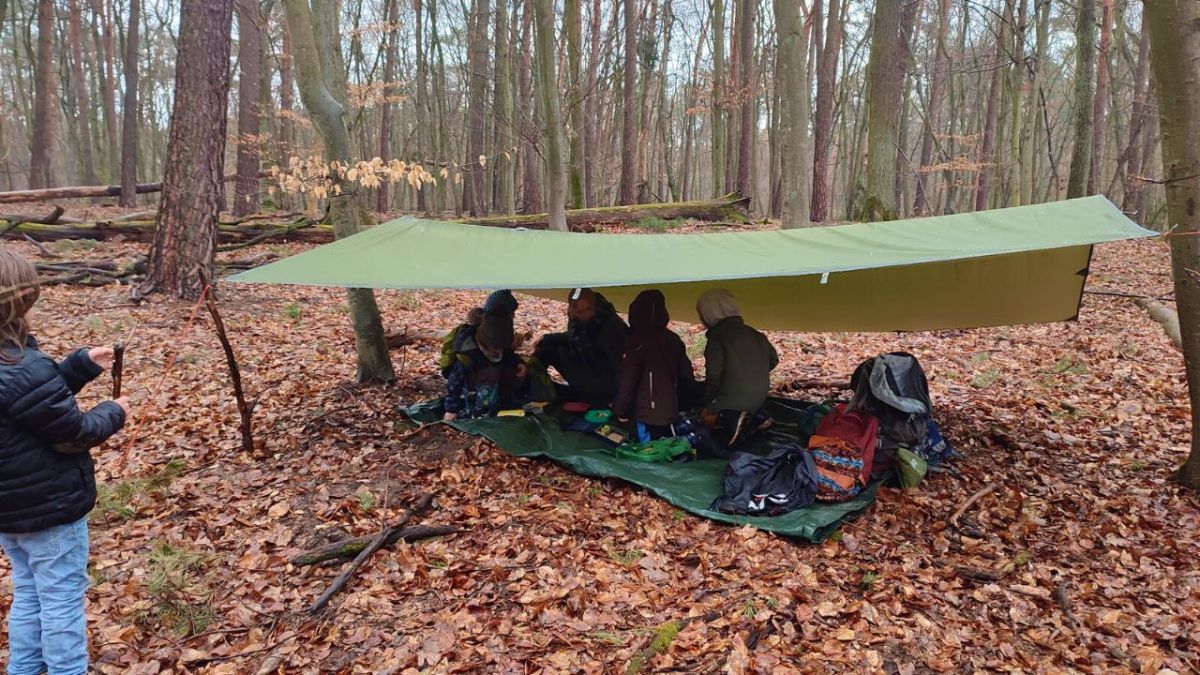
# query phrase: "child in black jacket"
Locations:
[[47, 480]]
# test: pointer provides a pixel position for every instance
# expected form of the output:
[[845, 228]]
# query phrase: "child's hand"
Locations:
[[124, 403], [102, 356]]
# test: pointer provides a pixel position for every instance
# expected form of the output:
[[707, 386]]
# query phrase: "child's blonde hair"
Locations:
[[19, 291]]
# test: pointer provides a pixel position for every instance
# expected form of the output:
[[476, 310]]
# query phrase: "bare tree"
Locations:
[[45, 106], [79, 85], [317, 89], [249, 149], [793, 121], [823, 122], [1085, 67], [885, 75], [391, 40], [1174, 27], [474, 201], [717, 105], [184, 240], [548, 94], [1100, 101], [746, 16], [629, 131], [129, 107]]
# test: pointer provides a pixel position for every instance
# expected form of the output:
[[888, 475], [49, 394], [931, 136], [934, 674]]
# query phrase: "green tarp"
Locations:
[[691, 486], [1009, 266]]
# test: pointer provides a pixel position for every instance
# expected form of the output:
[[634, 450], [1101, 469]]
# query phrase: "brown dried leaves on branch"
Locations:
[[1078, 425]]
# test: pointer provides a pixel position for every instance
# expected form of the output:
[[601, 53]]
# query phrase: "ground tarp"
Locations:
[[1008, 266], [691, 486]]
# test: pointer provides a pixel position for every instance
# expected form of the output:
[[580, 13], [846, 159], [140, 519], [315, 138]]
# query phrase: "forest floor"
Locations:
[[1078, 425]]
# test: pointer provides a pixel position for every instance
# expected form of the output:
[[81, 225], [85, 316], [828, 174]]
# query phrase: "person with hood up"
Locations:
[[588, 355], [738, 361], [656, 373]]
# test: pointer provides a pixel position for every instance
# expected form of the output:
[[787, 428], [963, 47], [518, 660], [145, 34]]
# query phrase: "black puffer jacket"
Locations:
[[46, 474], [656, 366]]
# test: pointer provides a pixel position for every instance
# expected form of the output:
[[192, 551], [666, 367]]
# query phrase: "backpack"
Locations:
[[452, 344], [893, 388], [780, 482], [843, 450]]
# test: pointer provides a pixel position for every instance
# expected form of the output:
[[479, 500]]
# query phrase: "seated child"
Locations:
[[656, 373], [483, 376]]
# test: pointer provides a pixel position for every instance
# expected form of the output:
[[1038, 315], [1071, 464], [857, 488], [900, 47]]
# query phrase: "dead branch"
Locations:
[[344, 578], [245, 410], [18, 218], [348, 548], [973, 498], [1064, 600], [270, 234]]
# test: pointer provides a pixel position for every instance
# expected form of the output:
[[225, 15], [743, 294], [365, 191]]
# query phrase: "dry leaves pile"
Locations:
[[1082, 557]]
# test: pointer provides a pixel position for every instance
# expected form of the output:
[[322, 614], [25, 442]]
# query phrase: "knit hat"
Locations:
[[717, 305], [501, 302], [495, 332]]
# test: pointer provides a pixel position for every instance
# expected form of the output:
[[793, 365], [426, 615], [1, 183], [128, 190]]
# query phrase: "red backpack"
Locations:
[[843, 449]]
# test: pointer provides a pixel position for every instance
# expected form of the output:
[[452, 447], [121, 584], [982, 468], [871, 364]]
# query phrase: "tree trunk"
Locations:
[[885, 74], [504, 115], [531, 200], [590, 107], [823, 124], [548, 93], [1100, 101], [937, 84], [1031, 164], [573, 27], [474, 194], [287, 84], [391, 40], [374, 363], [1174, 27], [793, 115], [717, 105], [1085, 66], [747, 13], [1132, 157], [987, 146], [184, 242], [45, 106], [82, 100], [629, 132], [249, 148], [129, 108], [1018, 145], [908, 22], [108, 86]]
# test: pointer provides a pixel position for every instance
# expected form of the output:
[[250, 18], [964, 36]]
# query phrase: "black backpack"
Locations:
[[893, 388], [782, 481]]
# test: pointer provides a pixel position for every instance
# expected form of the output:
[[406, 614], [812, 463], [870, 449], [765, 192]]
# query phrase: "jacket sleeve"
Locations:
[[455, 383], [613, 340], [714, 370], [78, 369], [772, 352], [627, 383], [40, 400]]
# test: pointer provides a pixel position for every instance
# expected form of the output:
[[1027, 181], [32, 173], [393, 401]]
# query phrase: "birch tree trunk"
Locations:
[[1174, 27], [308, 38]]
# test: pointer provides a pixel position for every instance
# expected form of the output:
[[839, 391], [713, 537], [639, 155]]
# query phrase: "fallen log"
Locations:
[[1165, 316], [732, 208], [143, 232], [87, 191], [349, 548], [78, 192], [16, 219], [377, 543]]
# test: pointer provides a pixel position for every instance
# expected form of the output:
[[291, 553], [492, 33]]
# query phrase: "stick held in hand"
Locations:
[[118, 367]]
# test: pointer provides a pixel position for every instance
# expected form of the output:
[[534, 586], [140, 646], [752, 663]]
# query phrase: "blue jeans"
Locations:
[[46, 625]]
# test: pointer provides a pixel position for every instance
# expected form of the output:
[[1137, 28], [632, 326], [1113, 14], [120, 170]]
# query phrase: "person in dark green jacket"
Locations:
[[738, 363]]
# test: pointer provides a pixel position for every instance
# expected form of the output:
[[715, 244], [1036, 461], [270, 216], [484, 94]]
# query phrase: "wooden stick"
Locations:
[[344, 578], [974, 498], [348, 548], [118, 368], [245, 409]]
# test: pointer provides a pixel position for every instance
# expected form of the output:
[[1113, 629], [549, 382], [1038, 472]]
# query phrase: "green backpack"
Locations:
[[451, 343], [662, 450]]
